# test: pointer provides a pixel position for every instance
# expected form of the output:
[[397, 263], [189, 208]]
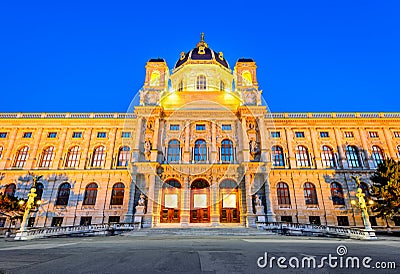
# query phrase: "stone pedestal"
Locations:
[[21, 236], [139, 214], [214, 219], [260, 214]]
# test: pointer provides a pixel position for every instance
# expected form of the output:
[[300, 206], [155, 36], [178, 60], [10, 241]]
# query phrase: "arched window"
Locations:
[[155, 78], [117, 195], [328, 158], [282, 190], [365, 189], [200, 151], [180, 86], [90, 194], [221, 85], [227, 151], [47, 157], [246, 78], [377, 155], [72, 160], [201, 82], [39, 191], [310, 194], [63, 194], [10, 190], [352, 156], [99, 156], [277, 156], [21, 157], [124, 155], [1, 152], [337, 194], [174, 151], [302, 157]]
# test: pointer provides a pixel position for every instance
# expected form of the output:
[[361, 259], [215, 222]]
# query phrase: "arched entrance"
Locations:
[[200, 201], [170, 202], [229, 202]]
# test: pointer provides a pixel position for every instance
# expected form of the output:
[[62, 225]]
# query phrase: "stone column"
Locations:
[[316, 150], [110, 149], [264, 145], [84, 160], [250, 216], [154, 149], [148, 218], [246, 150], [185, 202], [214, 207], [368, 162], [271, 217], [7, 159], [342, 156], [136, 143], [186, 152], [292, 156], [58, 158], [129, 212], [214, 152], [388, 139], [33, 153]]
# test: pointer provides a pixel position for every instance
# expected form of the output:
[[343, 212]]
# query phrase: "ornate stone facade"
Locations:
[[200, 151]]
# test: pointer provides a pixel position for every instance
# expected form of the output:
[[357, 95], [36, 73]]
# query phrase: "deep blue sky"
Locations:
[[90, 57]]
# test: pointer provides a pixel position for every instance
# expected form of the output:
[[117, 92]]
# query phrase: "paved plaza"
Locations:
[[145, 252]]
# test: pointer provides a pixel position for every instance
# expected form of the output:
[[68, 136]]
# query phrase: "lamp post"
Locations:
[[23, 231], [370, 233]]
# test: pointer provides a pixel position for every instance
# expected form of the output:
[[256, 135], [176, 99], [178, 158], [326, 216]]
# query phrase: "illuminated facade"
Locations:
[[200, 145]]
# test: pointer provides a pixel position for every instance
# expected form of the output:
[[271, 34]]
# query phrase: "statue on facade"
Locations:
[[141, 200], [254, 148], [147, 148], [258, 201]]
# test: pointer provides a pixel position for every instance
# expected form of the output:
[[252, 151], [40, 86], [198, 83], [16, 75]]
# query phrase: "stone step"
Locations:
[[190, 231]]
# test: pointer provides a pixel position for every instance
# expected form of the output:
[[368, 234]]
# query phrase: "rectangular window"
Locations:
[[275, 134], [343, 221], [86, 220], [372, 220], [3, 134], [52, 135], [226, 127], [287, 219], [201, 127], [314, 220], [101, 134], [174, 127], [324, 134], [77, 134], [373, 134], [31, 222], [126, 135], [113, 219], [299, 134], [396, 134], [27, 135], [57, 221], [348, 134]]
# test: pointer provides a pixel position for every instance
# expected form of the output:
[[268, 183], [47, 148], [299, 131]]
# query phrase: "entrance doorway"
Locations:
[[200, 201], [170, 202], [229, 202]]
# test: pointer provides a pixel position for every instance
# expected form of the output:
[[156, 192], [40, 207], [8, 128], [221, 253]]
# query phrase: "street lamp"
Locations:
[[364, 210], [23, 231]]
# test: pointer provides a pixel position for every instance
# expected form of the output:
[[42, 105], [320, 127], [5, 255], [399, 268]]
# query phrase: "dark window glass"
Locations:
[[27, 135], [310, 194], [126, 135], [275, 134], [226, 127], [373, 134], [47, 157], [39, 191], [90, 194], [200, 151], [287, 219], [201, 127], [21, 157], [348, 134], [87, 220], [99, 156], [72, 160], [63, 194], [299, 134], [328, 158], [174, 151], [124, 156], [3, 135], [113, 219], [57, 221], [314, 220], [52, 135], [226, 151], [352, 156], [2, 221], [101, 134], [117, 194], [77, 135], [174, 127], [302, 157], [283, 193], [221, 86], [337, 194], [324, 134], [343, 221], [377, 155], [201, 82], [277, 156]]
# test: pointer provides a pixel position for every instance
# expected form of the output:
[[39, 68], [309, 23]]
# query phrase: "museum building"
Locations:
[[203, 149]]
